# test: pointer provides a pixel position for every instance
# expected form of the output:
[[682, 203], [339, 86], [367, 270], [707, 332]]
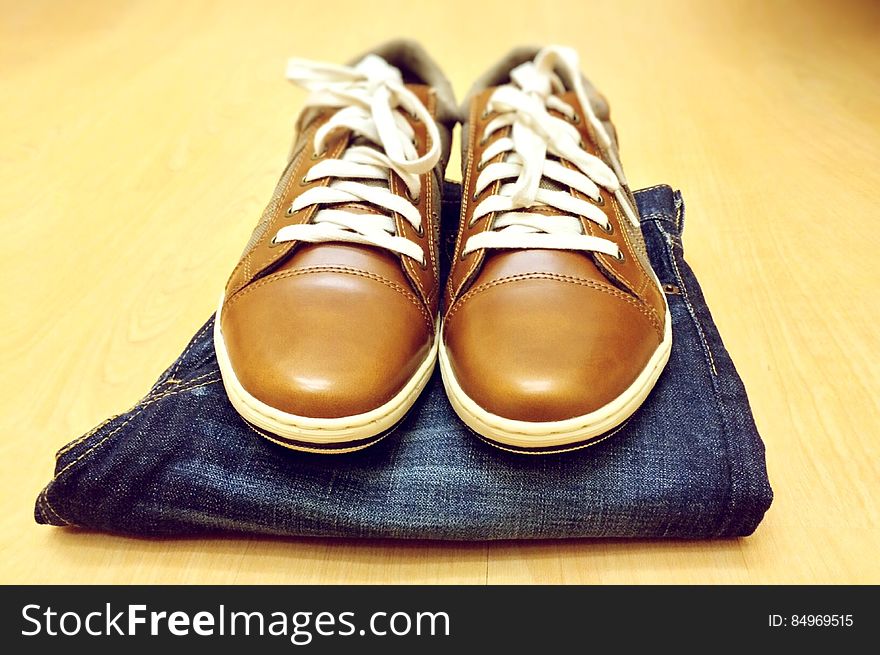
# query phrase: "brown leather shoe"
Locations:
[[326, 332], [556, 327]]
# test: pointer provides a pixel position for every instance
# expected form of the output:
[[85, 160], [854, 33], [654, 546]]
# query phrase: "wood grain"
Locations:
[[140, 140]]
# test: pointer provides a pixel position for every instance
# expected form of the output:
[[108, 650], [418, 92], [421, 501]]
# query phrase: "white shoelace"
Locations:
[[370, 98], [537, 141]]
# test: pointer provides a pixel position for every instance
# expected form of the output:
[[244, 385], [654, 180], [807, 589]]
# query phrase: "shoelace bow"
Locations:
[[533, 150], [370, 98]]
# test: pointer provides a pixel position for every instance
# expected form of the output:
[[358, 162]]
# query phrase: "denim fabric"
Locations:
[[688, 464]]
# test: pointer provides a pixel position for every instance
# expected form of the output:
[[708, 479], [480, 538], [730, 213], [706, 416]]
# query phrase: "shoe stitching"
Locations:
[[463, 209], [428, 181], [430, 201], [336, 269], [648, 312], [609, 262], [332, 151], [640, 290], [275, 203], [466, 209]]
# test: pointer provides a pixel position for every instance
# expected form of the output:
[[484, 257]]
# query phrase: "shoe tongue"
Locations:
[[549, 185], [361, 207], [368, 258], [553, 185], [378, 71]]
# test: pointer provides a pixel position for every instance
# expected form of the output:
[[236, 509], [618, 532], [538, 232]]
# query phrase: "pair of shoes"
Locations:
[[554, 326]]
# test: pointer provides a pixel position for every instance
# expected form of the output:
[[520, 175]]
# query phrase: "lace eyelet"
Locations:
[[481, 165], [303, 181], [421, 230], [289, 211], [620, 256], [318, 155], [600, 200], [475, 196], [576, 119], [485, 115], [272, 243], [609, 229]]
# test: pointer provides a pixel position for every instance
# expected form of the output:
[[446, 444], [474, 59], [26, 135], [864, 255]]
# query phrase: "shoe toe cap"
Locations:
[[324, 344], [543, 350]]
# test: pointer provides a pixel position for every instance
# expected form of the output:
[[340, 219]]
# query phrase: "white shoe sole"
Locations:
[[325, 435], [547, 437]]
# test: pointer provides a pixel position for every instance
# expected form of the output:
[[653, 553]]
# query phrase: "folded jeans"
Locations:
[[688, 464]]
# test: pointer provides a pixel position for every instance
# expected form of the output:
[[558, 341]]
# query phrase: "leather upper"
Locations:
[[330, 330], [547, 335]]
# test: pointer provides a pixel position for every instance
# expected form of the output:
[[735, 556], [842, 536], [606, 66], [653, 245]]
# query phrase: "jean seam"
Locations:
[[154, 393], [720, 405], [670, 251], [177, 382], [174, 371], [724, 520], [653, 188], [655, 216], [693, 313], [85, 436], [140, 407], [47, 505]]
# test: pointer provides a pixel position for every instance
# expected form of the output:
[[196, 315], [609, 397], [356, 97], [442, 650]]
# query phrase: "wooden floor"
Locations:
[[139, 141]]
